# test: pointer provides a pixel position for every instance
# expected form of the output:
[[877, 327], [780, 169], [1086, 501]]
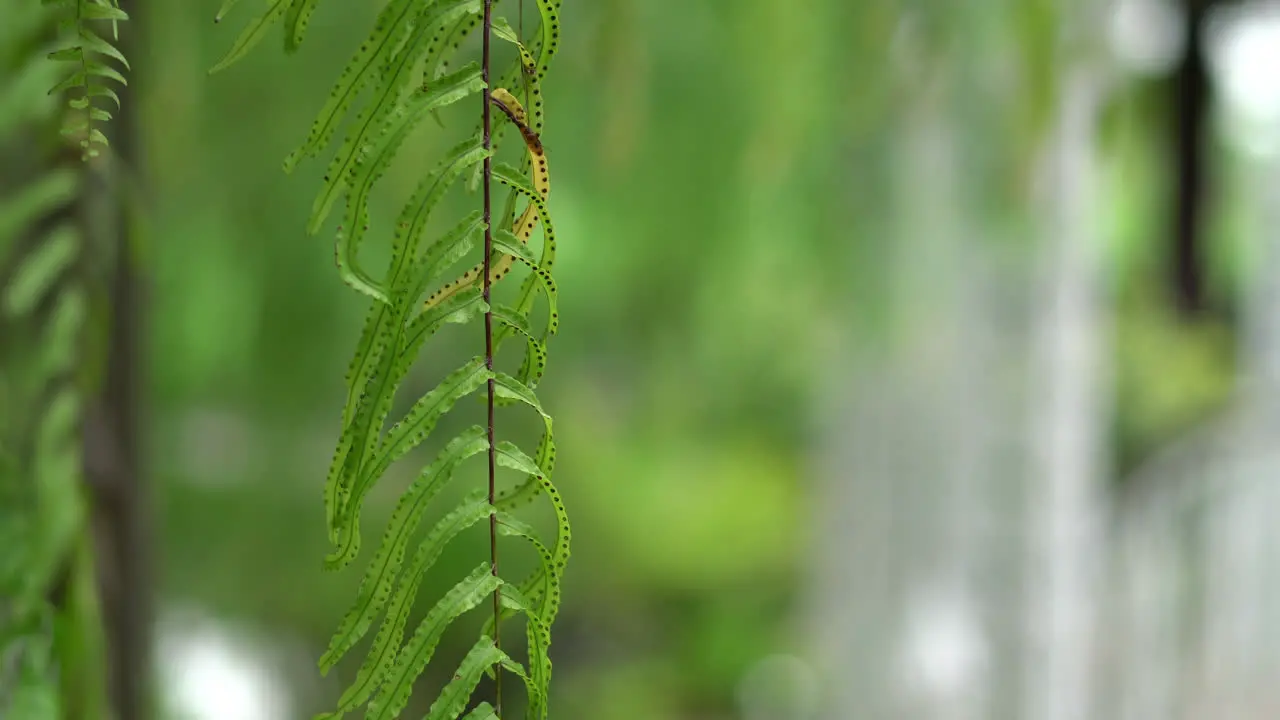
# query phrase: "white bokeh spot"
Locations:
[[208, 671], [1244, 53]]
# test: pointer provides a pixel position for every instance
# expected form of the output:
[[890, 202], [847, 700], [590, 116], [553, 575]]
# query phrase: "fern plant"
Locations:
[[399, 75], [85, 53], [48, 623]]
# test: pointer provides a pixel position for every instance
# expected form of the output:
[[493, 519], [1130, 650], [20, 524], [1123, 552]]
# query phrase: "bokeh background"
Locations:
[[919, 360]]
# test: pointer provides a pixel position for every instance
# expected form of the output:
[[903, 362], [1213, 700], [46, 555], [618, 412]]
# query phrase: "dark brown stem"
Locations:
[[488, 347]]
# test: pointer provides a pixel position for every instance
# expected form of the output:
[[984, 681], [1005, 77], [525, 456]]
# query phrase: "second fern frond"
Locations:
[[86, 53]]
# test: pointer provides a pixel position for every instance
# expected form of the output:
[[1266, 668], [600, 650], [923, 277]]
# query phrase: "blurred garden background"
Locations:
[[919, 360]]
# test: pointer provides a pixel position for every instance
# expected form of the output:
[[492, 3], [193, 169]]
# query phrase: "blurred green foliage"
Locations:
[[725, 207], [50, 635]]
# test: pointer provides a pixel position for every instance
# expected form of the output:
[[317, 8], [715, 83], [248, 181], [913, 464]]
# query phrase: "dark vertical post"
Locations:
[[114, 454], [1191, 108]]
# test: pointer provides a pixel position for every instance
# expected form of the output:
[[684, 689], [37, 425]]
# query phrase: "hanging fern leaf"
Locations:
[[375, 104], [43, 311], [86, 53]]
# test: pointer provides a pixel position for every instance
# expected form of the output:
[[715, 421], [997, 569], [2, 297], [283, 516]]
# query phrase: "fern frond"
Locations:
[[375, 104], [86, 53], [43, 310]]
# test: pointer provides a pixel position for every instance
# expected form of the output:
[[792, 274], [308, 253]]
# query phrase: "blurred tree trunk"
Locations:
[[1261, 336], [1244, 587], [1197, 572], [1068, 469], [1147, 604], [909, 479], [114, 454], [960, 543], [1071, 391]]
